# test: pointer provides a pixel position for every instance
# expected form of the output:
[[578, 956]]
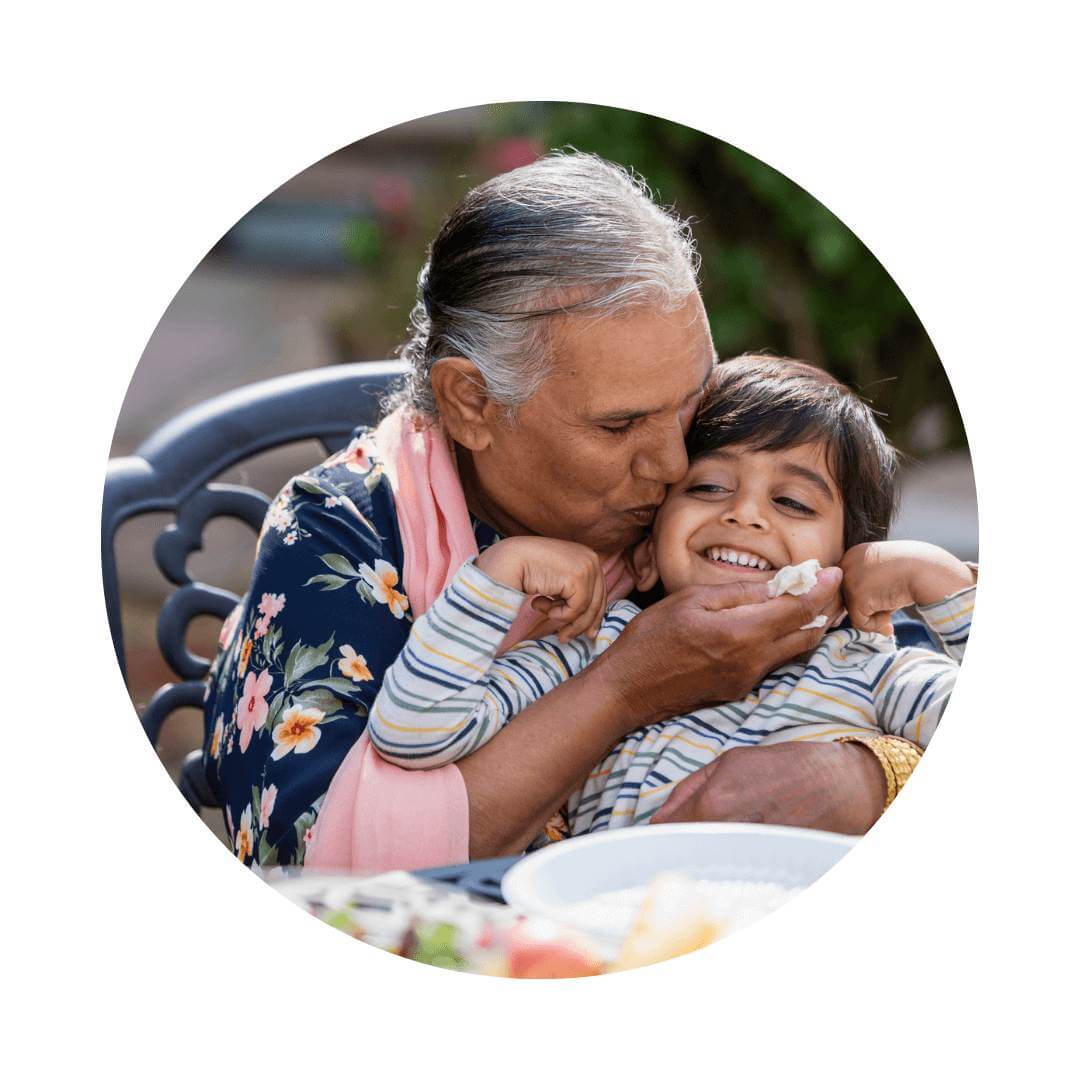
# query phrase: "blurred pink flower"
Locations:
[[392, 194], [252, 710], [513, 152], [271, 604], [228, 626], [266, 805]]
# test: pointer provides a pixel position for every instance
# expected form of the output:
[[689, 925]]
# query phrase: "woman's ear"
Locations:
[[465, 409], [642, 561]]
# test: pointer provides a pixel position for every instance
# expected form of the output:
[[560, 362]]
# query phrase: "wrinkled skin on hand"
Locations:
[[835, 786]]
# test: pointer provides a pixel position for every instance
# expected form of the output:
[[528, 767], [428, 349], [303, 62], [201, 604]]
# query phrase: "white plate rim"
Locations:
[[527, 868]]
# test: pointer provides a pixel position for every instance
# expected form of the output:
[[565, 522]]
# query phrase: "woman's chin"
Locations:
[[614, 537]]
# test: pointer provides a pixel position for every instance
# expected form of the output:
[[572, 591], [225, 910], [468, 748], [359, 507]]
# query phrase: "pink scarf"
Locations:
[[376, 816]]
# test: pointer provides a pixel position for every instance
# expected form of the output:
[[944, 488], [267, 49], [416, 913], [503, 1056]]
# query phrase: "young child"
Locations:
[[786, 465]]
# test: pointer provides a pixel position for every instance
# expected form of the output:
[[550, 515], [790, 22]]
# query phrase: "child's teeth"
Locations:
[[738, 558]]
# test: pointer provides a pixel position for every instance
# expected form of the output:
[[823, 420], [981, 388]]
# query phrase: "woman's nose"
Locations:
[[666, 461]]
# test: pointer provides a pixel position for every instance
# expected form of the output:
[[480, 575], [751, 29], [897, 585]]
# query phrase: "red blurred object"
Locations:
[[538, 956], [514, 152], [392, 194]]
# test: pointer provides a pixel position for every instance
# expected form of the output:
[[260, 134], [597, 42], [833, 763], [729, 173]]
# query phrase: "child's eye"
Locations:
[[793, 504], [709, 489]]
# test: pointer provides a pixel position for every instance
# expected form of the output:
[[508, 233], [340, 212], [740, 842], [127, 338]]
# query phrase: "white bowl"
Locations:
[[571, 871]]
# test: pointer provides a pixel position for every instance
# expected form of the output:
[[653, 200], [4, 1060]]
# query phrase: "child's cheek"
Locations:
[[833, 543]]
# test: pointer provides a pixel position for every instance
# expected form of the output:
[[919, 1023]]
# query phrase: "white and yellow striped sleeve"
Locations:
[[950, 620], [913, 690], [447, 693]]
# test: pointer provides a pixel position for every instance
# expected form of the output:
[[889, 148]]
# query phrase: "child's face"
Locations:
[[741, 514]]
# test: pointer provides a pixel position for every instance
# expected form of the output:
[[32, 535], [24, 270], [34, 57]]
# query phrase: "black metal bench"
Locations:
[[174, 471]]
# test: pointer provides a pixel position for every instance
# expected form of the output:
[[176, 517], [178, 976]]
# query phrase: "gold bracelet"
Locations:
[[897, 757]]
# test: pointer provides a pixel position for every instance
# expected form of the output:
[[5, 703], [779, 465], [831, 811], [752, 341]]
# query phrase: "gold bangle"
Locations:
[[897, 757]]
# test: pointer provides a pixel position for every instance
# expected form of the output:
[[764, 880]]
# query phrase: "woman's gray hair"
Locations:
[[569, 233]]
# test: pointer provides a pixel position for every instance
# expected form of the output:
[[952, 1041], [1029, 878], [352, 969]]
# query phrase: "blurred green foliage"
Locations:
[[362, 241]]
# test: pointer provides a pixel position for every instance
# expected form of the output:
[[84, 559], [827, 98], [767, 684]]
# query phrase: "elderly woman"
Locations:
[[559, 350]]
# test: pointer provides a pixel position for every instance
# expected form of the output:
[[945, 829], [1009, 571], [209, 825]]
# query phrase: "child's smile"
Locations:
[[736, 557], [741, 514]]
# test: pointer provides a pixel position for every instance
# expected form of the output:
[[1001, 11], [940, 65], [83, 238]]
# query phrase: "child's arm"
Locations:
[[950, 620], [913, 691], [447, 694], [881, 578]]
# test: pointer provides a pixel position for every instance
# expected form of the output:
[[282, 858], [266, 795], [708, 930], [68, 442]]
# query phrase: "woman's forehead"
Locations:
[[640, 363]]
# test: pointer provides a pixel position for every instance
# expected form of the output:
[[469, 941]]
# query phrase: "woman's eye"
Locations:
[[793, 504], [617, 429]]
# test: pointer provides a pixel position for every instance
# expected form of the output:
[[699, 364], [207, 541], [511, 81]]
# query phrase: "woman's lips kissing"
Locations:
[[643, 515]]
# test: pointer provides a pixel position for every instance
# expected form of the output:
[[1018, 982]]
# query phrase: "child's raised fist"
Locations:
[[882, 577], [566, 580]]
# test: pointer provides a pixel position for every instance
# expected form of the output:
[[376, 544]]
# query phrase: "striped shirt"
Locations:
[[448, 693]]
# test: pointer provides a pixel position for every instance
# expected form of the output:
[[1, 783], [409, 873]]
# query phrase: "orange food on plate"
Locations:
[[675, 918]]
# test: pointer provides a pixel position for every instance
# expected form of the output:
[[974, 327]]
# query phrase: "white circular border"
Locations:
[[134, 936]]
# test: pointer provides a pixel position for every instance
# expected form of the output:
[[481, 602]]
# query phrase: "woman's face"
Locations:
[[589, 456]]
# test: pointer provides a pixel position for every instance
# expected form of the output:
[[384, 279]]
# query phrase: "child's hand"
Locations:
[[565, 578], [883, 577]]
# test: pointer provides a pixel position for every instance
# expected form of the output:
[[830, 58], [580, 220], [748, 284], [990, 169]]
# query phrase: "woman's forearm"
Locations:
[[518, 780]]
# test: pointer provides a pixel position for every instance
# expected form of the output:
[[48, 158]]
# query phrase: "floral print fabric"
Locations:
[[302, 657]]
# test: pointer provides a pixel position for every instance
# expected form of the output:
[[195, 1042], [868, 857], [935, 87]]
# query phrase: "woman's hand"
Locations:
[[883, 577], [825, 785], [710, 643], [566, 579]]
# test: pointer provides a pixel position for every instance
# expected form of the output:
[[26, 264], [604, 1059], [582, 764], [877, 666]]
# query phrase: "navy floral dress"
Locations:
[[302, 657]]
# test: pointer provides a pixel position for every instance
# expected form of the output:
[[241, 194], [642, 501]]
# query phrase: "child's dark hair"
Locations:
[[770, 403]]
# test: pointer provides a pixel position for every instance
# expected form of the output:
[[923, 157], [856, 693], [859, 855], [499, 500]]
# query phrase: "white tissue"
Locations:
[[795, 580], [814, 623]]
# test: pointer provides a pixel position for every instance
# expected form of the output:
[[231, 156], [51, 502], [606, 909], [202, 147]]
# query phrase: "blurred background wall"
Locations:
[[323, 271]]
